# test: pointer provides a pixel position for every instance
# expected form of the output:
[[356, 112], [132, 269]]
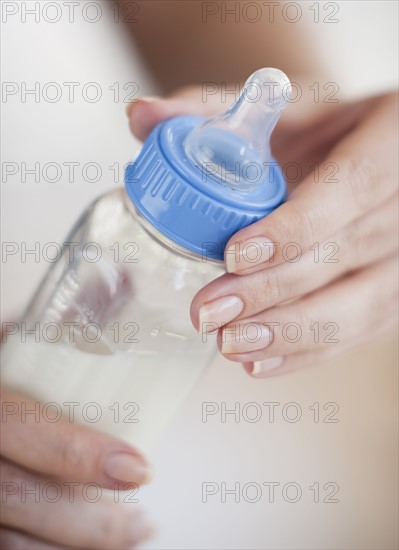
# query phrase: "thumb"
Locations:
[[64, 449], [145, 113]]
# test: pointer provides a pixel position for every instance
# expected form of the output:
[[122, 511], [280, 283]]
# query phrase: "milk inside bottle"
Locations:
[[107, 339]]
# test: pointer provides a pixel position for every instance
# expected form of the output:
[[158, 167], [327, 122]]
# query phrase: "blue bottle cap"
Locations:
[[199, 181]]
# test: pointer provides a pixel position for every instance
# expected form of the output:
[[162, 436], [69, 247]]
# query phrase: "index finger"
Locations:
[[364, 178]]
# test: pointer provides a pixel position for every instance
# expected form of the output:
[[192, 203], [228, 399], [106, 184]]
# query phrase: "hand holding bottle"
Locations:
[[316, 276], [55, 476]]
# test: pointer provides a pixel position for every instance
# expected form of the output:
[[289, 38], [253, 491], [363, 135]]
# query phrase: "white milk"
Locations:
[[129, 395]]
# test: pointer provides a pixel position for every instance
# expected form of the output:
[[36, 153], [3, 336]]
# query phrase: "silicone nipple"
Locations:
[[234, 148]]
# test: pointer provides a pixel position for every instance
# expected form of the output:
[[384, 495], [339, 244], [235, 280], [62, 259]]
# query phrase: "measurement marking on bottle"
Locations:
[[175, 335]]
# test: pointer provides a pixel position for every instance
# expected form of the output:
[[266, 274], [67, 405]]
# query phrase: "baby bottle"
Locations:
[[107, 338]]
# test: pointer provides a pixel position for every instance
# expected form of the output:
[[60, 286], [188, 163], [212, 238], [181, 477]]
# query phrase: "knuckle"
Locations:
[[302, 322], [367, 238], [360, 175], [304, 222], [270, 289], [357, 246], [70, 450]]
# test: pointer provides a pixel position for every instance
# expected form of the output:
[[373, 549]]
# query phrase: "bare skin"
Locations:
[[185, 43], [52, 474], [344, 228], [182, 45]]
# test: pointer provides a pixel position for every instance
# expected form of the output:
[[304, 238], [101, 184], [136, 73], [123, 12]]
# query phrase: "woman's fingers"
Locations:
[[15, 540], [146, 113], [278, 366], [307, 140], [353, 305], [30, 437], [69, 513], [228, 298], [361, 176]]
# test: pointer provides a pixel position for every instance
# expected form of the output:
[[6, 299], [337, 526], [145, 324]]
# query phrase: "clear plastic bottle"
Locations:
[[107, 338]]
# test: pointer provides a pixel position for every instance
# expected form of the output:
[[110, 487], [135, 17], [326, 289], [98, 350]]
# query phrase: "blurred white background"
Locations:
[[359, 452]]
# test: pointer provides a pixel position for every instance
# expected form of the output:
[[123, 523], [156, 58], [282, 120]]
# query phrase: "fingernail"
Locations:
[[127, 467], [255, 251], [140, 528], [145, 99], [245, 337], [219, 312], [260, 369]]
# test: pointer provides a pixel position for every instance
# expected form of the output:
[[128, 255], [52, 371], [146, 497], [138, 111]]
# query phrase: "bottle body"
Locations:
[[107, 338]]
